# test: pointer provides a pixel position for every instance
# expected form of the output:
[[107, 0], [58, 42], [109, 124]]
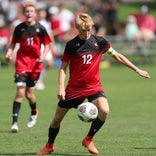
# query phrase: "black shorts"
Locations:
[[73, 103], [27, 79]]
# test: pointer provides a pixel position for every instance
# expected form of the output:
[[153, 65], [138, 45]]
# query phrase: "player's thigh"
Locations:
[[20, 93], [58, 117], [102, 105]]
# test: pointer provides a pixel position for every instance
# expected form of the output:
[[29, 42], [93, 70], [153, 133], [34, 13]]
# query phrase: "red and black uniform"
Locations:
[[30, 39], [84, 58]]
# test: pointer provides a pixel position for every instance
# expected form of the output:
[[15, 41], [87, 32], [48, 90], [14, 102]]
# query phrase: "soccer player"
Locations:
[[83, 55], [30, 35]]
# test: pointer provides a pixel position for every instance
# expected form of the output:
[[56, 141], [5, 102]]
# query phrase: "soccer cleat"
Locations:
[[40, 86], [47, 149], [32, 119], [14, 127], [88, 142]]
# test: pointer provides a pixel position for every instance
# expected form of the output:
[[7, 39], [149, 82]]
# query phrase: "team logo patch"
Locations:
[[96, 45], [37, 30], [77, 44]]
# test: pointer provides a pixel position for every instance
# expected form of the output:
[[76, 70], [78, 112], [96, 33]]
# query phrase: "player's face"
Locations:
[[30, 15], [85, 34]]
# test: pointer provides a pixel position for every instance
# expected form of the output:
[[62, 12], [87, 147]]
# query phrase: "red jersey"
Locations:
[[30, 39], [84, 58]]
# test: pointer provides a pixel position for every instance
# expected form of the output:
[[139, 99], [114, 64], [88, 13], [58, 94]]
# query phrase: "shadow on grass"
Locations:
[[18, 154], [145, 148], [52, 154]]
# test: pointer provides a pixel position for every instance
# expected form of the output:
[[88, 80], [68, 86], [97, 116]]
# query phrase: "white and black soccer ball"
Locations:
[[87, 112]]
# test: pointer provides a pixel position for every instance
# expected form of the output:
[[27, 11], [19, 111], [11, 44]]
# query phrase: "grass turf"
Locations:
[[128, 131]]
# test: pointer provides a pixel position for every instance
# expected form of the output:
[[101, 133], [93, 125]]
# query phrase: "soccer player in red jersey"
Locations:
[[30, 35], [83, 55]]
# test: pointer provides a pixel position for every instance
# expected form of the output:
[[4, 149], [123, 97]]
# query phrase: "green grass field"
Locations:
[[130, 129]]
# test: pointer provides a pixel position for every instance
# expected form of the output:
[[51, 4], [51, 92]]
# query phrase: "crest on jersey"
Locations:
[[37, 30], [96, 45], [77, 44]]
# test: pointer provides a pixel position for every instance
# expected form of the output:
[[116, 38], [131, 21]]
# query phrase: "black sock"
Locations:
[[52, 134], [95, 126], [33, 108], [15, 111]]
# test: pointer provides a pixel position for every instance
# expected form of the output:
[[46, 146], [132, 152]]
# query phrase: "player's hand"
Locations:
[[8, 56], [143, 73], [40, 59], [61, 94]]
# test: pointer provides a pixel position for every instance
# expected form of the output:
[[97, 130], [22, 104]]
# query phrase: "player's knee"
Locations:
[[106, 112], [103, 113], [20, 95], [28, 95]]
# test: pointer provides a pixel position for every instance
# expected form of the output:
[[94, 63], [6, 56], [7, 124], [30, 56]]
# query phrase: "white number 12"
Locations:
[[87, 59]]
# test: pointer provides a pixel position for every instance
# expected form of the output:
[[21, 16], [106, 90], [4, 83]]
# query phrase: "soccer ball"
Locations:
[[87, 112]]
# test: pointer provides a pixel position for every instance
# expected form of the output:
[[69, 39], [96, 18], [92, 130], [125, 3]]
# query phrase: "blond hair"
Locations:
[[84, 21], [28, 4]]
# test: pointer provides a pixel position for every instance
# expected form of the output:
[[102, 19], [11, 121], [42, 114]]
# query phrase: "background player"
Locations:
[[83, 55], [30, 35], [49, 60]]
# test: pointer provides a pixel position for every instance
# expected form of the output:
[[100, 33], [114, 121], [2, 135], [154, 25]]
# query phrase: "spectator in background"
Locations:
[[147, 25], [81, 6], [48, 61], [10, 8], [67, 20], [98, 27], [95, 6], [131, 28], [55, 23], [110, 15], [62, 24], [19, 19], [4, 35]]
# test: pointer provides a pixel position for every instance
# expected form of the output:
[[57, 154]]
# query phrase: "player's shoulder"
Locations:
[[39, 25], [75, 39], [20, 25], [98, 38]]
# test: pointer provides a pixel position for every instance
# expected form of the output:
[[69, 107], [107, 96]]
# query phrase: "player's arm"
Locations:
[[42, 56], [123, 60], [8, 55], [61, 81]]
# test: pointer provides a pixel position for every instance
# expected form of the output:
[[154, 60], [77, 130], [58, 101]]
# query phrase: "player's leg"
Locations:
[[47, 64], [53, 130], [55, 124], [32, 79], [20, 93], [61, 111], [16, 108], [103, 110]]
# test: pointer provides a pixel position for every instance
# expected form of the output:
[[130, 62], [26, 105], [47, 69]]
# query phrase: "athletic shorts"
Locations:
[[26, 79], [73, 103]]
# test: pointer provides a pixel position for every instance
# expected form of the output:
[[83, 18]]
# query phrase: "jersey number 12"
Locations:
[[87, 59]]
